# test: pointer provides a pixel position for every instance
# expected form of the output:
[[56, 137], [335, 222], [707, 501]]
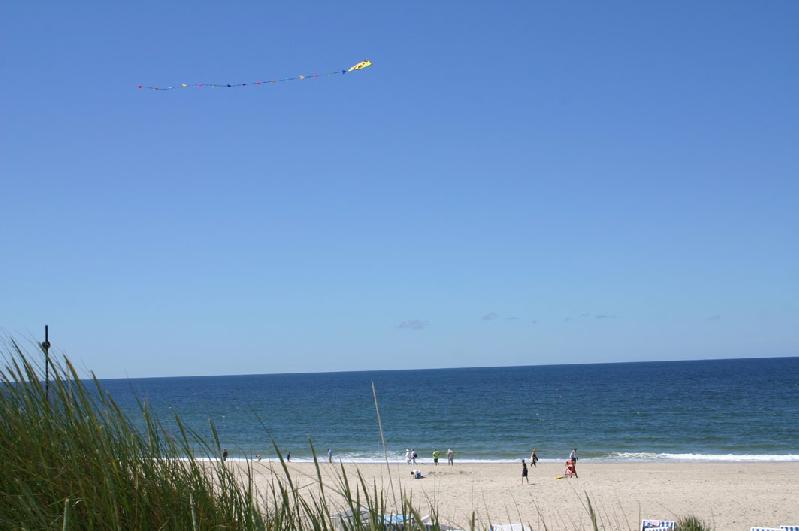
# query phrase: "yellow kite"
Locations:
[[360, 66]]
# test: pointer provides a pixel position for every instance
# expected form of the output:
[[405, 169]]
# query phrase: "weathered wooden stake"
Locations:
[[46, 349]]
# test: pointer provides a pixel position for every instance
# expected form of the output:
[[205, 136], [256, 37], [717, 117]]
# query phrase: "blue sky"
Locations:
[[511, 183]]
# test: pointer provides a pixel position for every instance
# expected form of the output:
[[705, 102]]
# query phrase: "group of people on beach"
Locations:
[[571, 464], [411, 456]]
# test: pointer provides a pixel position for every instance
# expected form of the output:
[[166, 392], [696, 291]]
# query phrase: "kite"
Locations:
[[359, 66]]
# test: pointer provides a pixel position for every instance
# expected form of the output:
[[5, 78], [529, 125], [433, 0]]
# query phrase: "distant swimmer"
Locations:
[[436, 455], [533, 457], [257, 457], [450, 457], [524, 473], [329, 455], [224, 454]]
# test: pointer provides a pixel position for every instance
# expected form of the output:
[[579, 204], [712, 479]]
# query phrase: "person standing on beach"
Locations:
[[524, 473], [436, 453], [288, 457], [450, 457], [414, 455], [224, 454], [533, 457], [329, 455], [573, 455], [408, 456]]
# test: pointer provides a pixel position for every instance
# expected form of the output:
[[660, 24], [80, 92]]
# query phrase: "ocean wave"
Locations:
[[614, 457], [375, 460], [731, 458]]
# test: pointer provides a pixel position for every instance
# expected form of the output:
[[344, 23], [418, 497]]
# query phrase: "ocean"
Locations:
[[714, 410]]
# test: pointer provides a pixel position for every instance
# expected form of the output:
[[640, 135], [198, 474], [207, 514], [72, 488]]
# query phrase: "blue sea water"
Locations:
[[726, 410]]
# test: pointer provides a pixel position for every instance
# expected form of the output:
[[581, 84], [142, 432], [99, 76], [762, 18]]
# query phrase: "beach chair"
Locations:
[[347, 519], [657, 525], [571, 469], [396, 521], [789, 527], [427, 522]]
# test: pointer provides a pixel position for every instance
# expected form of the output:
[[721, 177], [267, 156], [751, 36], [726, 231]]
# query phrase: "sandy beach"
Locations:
[[728, 495]]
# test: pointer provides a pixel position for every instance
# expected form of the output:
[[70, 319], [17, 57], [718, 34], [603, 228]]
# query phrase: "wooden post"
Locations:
[[46, 349]]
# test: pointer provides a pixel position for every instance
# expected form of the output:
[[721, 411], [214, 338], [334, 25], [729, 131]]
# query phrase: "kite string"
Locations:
[[300, 77]]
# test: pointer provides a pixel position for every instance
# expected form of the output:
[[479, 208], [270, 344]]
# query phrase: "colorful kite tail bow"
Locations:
[[366, 63]]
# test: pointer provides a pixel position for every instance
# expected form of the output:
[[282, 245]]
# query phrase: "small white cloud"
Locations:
[[413, 324], [604, 316]]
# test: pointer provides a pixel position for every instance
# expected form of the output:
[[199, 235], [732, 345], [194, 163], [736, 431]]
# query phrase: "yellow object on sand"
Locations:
[[559, 477], [360, 66]]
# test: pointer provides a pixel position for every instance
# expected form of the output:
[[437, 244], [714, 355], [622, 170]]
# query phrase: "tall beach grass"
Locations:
[[74, 460]]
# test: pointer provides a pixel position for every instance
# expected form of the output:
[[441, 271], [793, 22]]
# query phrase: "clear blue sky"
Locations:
[[511, 183]]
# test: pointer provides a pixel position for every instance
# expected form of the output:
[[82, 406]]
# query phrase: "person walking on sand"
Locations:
[[329, 455], [573, 455], [450, 457], [408, 456], [524, 473], [436, 454], [224, 455], [288, 457], [414, 455], [533, 457]]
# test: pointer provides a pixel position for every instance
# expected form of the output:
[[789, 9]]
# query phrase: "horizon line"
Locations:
[[470, 367]]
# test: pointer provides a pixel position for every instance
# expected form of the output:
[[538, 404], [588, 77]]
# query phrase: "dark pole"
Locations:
[[46, 349]]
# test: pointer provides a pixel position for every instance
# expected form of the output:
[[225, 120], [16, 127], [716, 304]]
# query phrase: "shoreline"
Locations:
[[688, 459]]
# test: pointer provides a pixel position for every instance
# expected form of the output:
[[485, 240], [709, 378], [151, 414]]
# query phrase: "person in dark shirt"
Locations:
[[533, 457]]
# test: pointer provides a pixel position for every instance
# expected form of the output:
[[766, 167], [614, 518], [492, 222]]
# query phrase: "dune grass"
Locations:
[[75, 461], [692, 523]]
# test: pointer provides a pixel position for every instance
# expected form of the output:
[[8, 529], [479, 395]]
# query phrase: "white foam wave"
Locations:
[[615, 457], [731, 458], [369, 460]]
